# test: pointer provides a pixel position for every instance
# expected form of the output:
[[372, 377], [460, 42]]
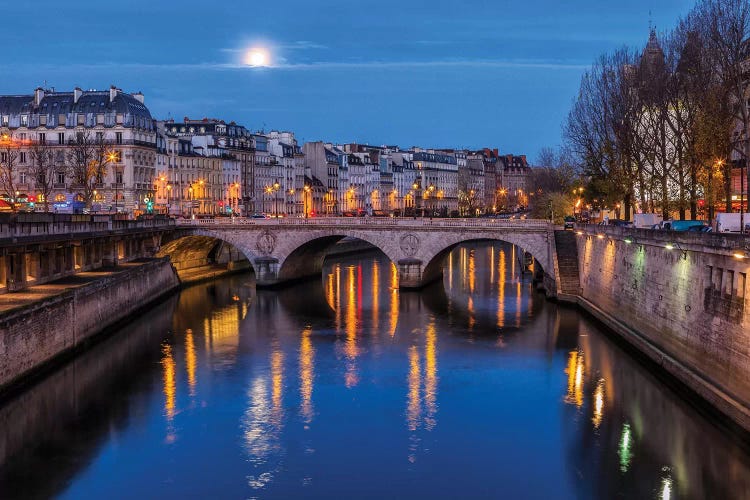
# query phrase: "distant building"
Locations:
[[210, 165]]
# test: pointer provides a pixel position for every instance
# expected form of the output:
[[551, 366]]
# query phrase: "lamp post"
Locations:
[[190, 198], [415, 187], [169, 197], [293, 204], [202, 197], [276, 187], [579, 203], [305, 206], [430, 190]]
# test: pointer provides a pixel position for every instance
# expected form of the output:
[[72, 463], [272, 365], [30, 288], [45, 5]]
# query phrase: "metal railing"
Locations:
[[480, 223], [40, 225]]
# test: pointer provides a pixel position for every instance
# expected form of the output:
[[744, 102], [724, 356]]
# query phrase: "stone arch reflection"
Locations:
[[485, 289]]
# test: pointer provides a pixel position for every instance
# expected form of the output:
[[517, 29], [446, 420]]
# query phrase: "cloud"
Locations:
[[282, 65], [295, 45]]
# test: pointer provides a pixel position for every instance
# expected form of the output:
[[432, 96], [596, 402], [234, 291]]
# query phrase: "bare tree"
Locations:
[[9, 153], [43, 169], [87, 160], [727, 24]]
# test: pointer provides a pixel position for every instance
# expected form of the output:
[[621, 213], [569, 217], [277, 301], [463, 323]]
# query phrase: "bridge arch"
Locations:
[[536, 244], [303, 256], [199, 247]]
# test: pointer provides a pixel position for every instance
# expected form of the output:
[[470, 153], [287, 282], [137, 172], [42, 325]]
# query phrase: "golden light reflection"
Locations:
[[375, 294], [519, 295], [306, 374], [413, 408], [394, 299], [598, 403], [491, 251], [501, 290], [472, 271], [190, 360], [430, 381], [170, 384], [450, 271], [277, 383], [470, 310], [338, 298], [575, 372], [350, 349], [222, 331]]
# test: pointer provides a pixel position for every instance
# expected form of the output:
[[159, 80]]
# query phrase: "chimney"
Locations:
[[38, 96], [139, 96], [113, 91], [496, 152], [77, 93]]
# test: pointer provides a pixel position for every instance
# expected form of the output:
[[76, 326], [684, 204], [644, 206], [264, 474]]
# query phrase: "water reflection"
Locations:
[[466, 389]]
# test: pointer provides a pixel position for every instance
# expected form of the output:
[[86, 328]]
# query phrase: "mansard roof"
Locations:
[[63, 103]]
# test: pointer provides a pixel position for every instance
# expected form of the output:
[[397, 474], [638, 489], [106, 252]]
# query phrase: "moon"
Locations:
[[257, 57]]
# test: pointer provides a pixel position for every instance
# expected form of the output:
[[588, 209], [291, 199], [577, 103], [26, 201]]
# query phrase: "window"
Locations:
[[61, 179], [741, 282], [22, 159], [99, 135], [42, 138], [22, 177], [61, 137], [59, 198], [728, 282], [118, 177], [118, 137], [24, 120]]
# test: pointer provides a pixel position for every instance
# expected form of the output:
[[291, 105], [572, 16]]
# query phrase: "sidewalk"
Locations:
[[10, 301]]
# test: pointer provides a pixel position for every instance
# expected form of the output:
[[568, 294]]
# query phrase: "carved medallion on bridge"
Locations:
[[266, 242], [409, 244]]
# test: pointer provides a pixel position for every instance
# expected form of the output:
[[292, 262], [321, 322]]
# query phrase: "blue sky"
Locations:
[[432, 73]]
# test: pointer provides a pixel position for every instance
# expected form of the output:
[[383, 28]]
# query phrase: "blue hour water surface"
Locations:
[[473, 388]]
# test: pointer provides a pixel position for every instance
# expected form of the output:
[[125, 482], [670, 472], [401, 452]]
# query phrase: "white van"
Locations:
[[730, 223], [646, 220]]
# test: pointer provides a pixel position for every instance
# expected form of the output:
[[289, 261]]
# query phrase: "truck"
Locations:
[[646, 220], [730, 222]]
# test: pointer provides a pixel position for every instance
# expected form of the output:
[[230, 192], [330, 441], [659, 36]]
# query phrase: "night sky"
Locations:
[[439, 73]]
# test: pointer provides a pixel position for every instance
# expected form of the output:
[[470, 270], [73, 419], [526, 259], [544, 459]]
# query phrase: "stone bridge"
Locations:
[[285, 250]]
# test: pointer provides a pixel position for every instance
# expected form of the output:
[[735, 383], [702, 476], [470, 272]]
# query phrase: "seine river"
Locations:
[[473, 388]]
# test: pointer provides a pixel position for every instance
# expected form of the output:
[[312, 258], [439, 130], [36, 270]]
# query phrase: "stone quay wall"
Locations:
[[34, 335], [680, 299]]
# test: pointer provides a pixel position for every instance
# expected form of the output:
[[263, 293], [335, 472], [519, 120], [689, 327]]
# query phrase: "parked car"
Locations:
[[681, 225], [570, 222], [258, 216], [700, 229], [620, 223]]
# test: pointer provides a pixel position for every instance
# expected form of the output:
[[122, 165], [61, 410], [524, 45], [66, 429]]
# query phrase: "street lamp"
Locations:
[[169, 197], [430, 190], [190, 198], [276, 187], [305, 206]]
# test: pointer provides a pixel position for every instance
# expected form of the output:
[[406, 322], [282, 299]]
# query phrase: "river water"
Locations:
[[473, 388]]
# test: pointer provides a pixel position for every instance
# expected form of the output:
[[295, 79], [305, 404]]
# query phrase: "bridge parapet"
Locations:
[[42, 225], [487, 223], [687, 241]]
